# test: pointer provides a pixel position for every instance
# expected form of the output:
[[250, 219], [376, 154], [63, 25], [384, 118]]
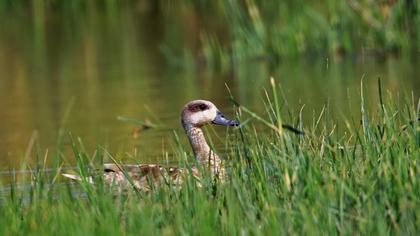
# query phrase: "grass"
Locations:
[[220, 33], [358, 179], [274, 31]]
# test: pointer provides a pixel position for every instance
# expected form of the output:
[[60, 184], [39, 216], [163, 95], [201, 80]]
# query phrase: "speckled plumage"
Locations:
[[145, 177]]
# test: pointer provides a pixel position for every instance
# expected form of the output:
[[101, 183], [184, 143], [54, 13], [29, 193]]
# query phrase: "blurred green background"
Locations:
[[77, 65]]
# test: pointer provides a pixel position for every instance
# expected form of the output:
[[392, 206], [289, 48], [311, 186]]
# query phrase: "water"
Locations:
[[80, 72]]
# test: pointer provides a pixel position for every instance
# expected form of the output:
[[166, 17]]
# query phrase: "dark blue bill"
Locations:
[[221, 120]]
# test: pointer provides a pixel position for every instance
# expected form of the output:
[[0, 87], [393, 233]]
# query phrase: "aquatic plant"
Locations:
[[219, 33], [357, 179]]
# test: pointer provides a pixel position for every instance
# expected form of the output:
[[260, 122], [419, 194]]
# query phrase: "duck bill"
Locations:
[[221, 120]]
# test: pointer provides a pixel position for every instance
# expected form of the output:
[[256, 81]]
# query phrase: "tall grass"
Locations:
[[358, 179], [224, 32], [252, 30]]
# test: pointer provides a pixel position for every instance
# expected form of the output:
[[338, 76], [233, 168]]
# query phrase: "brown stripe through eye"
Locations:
[[198, 107], [203, 107]]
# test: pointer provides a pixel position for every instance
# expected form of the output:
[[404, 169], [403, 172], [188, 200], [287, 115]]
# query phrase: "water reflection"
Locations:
[[110, 63]]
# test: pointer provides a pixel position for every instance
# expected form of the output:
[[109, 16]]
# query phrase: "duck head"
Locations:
[[198, 113]]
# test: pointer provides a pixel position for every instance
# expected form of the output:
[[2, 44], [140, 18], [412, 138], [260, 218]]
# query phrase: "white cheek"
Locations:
[[203, 117], [195, 119], [212, 113]]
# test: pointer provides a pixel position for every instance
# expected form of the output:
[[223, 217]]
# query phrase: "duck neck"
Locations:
[[202, 152]]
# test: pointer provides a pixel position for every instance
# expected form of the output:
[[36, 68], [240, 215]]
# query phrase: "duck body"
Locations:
[[145, 177]]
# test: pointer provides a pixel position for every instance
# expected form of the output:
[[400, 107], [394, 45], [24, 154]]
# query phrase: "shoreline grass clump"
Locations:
[[220, 34], [274, 31], [363, 179]]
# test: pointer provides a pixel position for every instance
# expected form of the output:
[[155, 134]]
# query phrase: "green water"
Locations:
[[79, 73]]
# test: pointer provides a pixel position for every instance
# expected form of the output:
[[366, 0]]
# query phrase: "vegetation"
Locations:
[[356, 175], [220, 33], [273, 30], [359, 179]]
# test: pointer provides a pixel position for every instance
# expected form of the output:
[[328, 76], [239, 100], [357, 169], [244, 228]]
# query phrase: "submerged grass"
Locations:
[[360, 180]]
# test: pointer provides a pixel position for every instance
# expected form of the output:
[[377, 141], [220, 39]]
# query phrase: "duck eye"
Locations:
[[203, 107]]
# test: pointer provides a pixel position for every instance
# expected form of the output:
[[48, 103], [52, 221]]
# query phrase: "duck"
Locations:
[[144, 177]]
